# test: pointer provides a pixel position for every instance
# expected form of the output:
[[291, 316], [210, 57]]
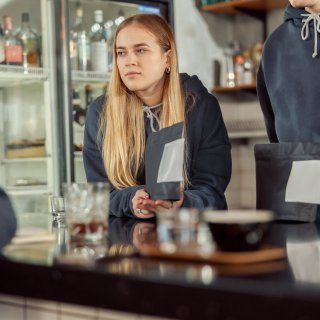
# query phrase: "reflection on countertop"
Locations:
[[119, 253]]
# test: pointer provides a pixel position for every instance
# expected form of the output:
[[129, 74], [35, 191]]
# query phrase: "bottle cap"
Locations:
[[25, 17]]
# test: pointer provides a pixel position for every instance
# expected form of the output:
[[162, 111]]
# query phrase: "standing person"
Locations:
[[288, 77], [287, 85], [147, 93]]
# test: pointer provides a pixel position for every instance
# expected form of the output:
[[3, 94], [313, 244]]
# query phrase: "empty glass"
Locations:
[[87, 208], [178, 229], [57, 207]]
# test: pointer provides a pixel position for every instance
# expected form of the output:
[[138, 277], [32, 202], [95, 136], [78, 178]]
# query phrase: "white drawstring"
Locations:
[[305, 29], [152, 116]]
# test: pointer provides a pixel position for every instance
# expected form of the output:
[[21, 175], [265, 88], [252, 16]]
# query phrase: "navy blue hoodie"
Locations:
[[288, 81], [208, 160]]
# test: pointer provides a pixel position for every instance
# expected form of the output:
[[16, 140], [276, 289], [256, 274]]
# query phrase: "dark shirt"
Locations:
[[208, 148]]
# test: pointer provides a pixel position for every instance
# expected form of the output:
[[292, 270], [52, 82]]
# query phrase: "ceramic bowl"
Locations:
[[238, 230]]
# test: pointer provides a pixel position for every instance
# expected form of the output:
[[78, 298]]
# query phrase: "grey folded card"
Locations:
[[164, 157]]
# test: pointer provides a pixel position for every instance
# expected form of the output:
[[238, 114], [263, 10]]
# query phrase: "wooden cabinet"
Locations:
[[238, 6]]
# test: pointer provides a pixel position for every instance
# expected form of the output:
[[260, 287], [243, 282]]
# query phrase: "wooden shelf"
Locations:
[[238, 6], [219, 89]]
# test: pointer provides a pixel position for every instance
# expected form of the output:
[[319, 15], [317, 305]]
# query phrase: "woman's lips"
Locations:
[[132, 74]]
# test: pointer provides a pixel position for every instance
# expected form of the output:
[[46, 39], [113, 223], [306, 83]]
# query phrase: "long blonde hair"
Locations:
[[122, 120]]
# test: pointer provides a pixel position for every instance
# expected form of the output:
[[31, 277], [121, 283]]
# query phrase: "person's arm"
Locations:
[[120, 200], [8, 222], [266, 106], [210, 163]]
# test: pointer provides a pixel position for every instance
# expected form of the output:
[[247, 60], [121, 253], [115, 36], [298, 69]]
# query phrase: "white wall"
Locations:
[[196, 47]]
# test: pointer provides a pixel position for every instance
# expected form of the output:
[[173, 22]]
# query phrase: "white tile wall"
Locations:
[[11, 312], [241, 192], [20, 308], [38, 314]]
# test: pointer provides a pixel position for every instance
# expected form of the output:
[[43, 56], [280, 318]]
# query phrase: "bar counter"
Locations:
[[120, 279]]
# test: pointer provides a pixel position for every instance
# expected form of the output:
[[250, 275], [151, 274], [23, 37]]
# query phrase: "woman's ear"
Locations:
[[168, 58]]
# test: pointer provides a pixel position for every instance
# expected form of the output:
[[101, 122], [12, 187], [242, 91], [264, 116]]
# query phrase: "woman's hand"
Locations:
[[143, 207], [161, 205]]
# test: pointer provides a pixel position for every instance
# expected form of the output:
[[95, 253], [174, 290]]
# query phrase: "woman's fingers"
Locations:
[[138, 209], [164, 204]]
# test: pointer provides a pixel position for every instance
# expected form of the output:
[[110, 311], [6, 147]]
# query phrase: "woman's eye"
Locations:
[[141, 50], [120, 53]]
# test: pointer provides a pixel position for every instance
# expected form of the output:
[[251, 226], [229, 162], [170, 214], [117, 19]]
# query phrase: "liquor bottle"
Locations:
[[79, 118], [79, 42], [29, 39], [89, 95], [110, 29], [2, 46], [99, 45], [13, 48]]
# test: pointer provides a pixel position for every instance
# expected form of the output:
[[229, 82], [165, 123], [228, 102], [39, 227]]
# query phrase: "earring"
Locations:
[[168, 69]]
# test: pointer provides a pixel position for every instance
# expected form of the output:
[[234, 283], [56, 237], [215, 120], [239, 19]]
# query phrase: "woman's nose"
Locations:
[[131, 58]]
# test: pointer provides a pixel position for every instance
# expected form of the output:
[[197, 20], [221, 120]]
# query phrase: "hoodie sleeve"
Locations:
[[120, 200], [266, 106], [8, 222], [210, 158]]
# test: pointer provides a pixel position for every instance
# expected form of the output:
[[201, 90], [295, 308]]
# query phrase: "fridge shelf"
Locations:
[[28, 190], [22, 160], [90, 76], [13, 75]]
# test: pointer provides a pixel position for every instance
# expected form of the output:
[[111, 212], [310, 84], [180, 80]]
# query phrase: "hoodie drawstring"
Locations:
[[152, 116], [305, 29]]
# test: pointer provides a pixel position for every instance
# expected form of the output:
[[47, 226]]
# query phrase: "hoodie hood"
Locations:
[[308, 22], [294, 14], [192, 84]]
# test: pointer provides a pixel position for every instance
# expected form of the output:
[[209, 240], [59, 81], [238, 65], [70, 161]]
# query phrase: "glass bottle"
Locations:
[[29, 39], [13, 48], [2, 46], [110, 29], [99, 45], [79, 42], [89, 95], [79, 118]]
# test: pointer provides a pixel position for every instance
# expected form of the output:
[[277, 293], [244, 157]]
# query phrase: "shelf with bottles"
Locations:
[[90, 45], [16, 75], [240, 6], [20, 47]]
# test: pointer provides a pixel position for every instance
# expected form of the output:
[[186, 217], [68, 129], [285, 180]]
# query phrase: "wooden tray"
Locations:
[[264, 254]]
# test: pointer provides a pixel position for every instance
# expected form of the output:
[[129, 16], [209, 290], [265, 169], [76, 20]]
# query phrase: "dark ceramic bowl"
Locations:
[[238, 230]]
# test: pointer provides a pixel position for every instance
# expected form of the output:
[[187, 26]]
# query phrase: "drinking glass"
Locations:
[[178, 229], [87, 206], [57, 207]]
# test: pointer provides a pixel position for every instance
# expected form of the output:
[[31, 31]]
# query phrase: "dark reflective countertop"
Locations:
[[116, 276]]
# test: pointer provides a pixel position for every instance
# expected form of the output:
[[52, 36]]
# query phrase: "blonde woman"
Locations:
[[147, 93]]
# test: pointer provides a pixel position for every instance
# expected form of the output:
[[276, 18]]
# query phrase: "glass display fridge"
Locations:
[[55, 58]]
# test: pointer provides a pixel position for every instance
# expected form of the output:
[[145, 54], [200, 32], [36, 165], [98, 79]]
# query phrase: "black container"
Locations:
[[241, 230]]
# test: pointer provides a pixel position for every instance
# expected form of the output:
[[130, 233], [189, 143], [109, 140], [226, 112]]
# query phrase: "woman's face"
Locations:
[[141, 61]]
